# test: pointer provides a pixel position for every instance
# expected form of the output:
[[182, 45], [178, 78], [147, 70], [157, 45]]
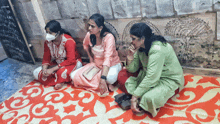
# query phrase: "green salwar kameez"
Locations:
[[160, 75]]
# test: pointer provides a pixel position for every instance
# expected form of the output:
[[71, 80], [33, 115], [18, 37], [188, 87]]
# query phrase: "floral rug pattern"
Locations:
[[197, 103]]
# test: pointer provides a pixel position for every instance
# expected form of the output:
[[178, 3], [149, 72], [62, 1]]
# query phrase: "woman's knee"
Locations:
[[111, 79], [122, 76], [113, 73], [112, 76], [73, 73]]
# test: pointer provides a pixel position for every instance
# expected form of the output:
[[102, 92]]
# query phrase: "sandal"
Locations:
[[122, 97], [123, 100], [126, 104]]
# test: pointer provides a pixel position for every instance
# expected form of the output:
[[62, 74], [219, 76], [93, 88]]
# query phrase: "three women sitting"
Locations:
[[152, 75]]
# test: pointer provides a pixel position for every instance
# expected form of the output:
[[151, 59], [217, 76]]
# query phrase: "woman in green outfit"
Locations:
[[158, 71]]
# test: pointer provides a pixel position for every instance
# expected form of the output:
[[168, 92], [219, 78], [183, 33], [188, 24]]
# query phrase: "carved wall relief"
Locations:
[[192, 41]]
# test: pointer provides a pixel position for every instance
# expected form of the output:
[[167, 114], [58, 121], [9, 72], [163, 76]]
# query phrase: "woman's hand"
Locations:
[[131, 51], [134, 105], [103, 86], [49, 72], [44, 71]]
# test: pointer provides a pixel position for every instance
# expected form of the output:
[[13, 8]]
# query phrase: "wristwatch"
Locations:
[[103, 77]]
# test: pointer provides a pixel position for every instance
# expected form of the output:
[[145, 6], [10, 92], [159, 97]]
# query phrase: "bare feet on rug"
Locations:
[[111, 87], [58, 86], [137, 110], [135, 105]]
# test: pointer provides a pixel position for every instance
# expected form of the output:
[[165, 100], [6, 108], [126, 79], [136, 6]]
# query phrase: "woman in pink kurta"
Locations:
[[60, 57], [99, 44]]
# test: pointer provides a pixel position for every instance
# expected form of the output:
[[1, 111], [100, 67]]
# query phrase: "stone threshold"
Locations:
[[202, 71]]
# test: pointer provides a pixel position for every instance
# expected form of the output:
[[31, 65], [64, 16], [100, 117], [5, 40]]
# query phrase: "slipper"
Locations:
[[126, 104], [123, 100], [119, 98], [122, 97]]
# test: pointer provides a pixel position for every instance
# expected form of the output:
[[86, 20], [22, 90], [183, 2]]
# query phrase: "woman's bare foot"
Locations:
[[58, 86], [111, 87], [72, 82], [136, 109]]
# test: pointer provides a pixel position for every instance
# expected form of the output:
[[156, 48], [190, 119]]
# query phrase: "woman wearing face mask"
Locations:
[[99, 43], [60, 57], [153, 72]]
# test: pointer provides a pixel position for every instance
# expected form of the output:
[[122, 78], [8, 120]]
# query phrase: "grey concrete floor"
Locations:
[[14, 75]]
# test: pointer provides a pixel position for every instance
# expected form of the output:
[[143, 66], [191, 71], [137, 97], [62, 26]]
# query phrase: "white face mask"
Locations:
[[50, 37]]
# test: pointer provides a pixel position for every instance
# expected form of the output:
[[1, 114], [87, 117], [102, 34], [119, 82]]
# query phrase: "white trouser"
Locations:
[[37, 70], [112, 73]]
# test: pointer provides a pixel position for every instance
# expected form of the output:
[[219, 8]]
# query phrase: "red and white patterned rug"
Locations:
[[197, 103]]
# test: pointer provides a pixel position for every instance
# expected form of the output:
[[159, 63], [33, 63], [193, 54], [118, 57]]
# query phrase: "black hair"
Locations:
[[99, 20], [55, 27], [141, 30]]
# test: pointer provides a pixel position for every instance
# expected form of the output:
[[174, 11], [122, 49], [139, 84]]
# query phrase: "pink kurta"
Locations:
[[104, 54]]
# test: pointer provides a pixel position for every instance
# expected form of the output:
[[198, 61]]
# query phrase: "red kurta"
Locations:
[[65, 55]]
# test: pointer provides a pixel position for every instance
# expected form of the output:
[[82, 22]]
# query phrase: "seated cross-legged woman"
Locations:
[[153, 72], [104, 66], [60, 57]]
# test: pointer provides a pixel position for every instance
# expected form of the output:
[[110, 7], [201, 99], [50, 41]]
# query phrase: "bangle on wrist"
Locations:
[[103, 77]]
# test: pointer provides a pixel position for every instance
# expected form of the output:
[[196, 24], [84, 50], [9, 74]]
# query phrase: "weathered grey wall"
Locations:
[[191, 26], [30, 24]]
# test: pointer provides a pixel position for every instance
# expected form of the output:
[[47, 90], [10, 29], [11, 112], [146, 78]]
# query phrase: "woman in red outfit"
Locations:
[[60, 57]]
